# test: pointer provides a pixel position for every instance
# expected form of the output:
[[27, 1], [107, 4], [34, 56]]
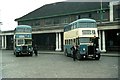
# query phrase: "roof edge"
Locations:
[[59, 15]]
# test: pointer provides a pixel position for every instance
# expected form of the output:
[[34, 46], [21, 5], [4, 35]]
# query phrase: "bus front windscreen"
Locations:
[[84, 40], [88, 39], [28, 41], [20, 41], [24, 41]]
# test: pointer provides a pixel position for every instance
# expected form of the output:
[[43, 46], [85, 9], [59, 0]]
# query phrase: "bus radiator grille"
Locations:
[[24, 49], [90, 50]]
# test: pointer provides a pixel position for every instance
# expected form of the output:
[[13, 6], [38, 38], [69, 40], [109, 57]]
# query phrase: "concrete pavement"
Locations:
[[111, 54], [57, 66]]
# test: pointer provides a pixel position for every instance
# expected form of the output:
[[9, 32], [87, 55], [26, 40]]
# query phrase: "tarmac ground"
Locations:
[[110, 53]]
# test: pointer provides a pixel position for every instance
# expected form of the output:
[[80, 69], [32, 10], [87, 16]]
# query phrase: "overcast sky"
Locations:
[[12, 9]]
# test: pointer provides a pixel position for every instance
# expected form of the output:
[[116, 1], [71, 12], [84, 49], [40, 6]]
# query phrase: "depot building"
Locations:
[[49, 20]]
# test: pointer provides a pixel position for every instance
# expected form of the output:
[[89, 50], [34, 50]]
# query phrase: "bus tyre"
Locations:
[[16, 54], [97, 57], [66, 52], [31, 54], [78, 56]]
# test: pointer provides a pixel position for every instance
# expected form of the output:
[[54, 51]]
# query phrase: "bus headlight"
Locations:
[[18, 49], [83, 49], [97, 49], [30, 49]]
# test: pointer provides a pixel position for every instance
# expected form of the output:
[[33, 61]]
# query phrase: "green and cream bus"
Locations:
[[23, 40], [82, 32]]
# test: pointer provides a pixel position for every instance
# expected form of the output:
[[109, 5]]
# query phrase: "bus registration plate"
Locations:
[[90, 55]]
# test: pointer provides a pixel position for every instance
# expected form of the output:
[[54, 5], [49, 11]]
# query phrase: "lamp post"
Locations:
[[101, 12]]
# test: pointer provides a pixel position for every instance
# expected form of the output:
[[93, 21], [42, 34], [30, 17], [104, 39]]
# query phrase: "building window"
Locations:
[[90, 15], [64, 19], [116, 11], [48, 21], [78, 16], [37, 23], [56, 20]]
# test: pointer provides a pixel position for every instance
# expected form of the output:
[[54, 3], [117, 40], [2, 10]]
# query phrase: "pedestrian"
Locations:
[[74, 49], [35, 50], [95, 41]]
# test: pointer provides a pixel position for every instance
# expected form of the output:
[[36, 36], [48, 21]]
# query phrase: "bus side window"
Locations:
[[65, 42], [75, 41], [76, 25], [70, 27], [71, 41]]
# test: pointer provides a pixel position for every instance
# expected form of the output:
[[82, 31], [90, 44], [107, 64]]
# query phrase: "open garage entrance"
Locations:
[[113, 40], [45, 41], [9, 42]]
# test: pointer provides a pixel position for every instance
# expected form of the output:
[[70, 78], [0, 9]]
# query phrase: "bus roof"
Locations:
[[84, 20], [23, 26]]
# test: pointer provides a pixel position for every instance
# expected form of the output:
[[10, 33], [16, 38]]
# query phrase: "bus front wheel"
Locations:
[[97, 57], [78, 56], [16, 54], [31, 54]]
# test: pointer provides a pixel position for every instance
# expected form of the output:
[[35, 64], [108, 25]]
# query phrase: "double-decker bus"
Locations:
[[83, 33], [23, 40]]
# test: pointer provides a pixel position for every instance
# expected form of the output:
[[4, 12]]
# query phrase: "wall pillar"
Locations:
[[103, 42], [2, 41], [58, 42], [111, 11], [99, 40], [5, 42]]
